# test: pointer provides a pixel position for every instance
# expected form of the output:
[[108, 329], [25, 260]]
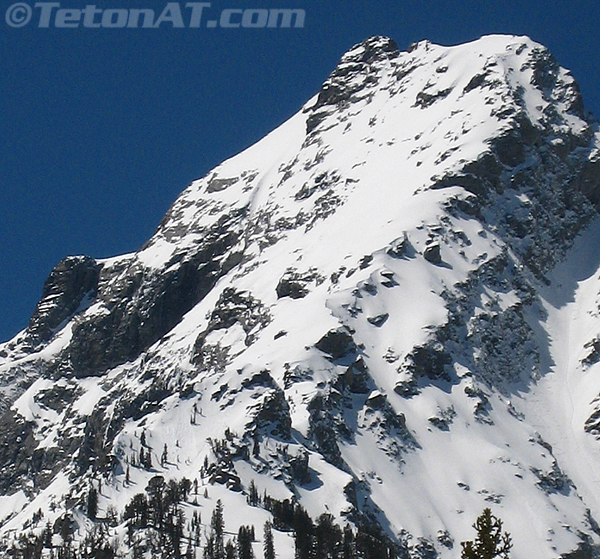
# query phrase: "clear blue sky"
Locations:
[[100, 129]]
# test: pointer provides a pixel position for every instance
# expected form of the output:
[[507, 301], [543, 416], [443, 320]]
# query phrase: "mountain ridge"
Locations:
[[364, 298]]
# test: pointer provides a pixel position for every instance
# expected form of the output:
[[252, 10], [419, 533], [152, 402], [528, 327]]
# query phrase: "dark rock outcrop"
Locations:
[[141, 306], [72, 281], [337, 343]]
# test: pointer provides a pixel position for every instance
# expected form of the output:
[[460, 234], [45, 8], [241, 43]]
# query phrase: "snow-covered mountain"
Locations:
[[387, 310]]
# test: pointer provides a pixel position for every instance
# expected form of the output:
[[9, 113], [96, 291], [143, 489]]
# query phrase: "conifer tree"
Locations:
[[253, 495], [348, 548], [217, 526], [268, 545], [209, 548], [303, 533], [92, 503], [47, 536], [245, 543], [490, 542], [230, 550]]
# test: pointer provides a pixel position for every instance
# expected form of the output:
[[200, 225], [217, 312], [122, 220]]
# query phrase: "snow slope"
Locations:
[[379, 308]]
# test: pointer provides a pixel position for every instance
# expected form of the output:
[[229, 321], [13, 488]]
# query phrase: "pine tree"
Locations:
[[47, 536], [190, 552], [253, 495], [256, 446], [217, 527], [328, 537], [245, 543], [348, 548], [147, 461], [230, 550], [165, 456], [185, 487], [490, 541], [268, 545], [92, 503], [209, 548], [303, 533]]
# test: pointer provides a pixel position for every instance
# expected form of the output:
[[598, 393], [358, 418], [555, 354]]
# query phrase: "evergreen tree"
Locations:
[[47, 536], [156, 501], [245, 543], [165, 456], [198, 530], [92, 503], [190, 552], [137, 511], [173, 492], [185, 487], [490, 542], [256, 446], [230, 550], [175, 531], [253, 496], [209, 548], [65, 551], [328, 537], [303, 533], [348, 548], [217, 527], [268, 545]]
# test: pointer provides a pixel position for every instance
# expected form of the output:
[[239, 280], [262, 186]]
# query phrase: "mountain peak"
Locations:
[[370, 50], [370, 312]]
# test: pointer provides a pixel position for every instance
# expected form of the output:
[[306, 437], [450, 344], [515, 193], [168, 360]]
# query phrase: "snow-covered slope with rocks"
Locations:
[[387, 309]]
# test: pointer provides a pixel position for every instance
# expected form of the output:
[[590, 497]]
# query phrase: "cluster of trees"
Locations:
[[241, 548], [155, 519], [156, 525], [144, 459], [34, 546], [323, 538], [155, 522]]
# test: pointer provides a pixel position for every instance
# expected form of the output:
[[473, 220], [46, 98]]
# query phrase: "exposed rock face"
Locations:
[[72, 284], [297, 285], [138, 307], [357, 68], [432, 254], [337, 344], [16, 451], [362, 305]]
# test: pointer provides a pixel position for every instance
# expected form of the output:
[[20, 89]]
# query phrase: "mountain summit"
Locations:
[[386, 311]]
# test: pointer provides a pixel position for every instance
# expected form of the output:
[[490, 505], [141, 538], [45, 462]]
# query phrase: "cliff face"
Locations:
[[373, 308]]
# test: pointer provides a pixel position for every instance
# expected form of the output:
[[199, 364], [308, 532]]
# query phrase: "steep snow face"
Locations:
[[363, 310]]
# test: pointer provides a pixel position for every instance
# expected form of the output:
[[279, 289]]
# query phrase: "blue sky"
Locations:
[[100, 129]]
